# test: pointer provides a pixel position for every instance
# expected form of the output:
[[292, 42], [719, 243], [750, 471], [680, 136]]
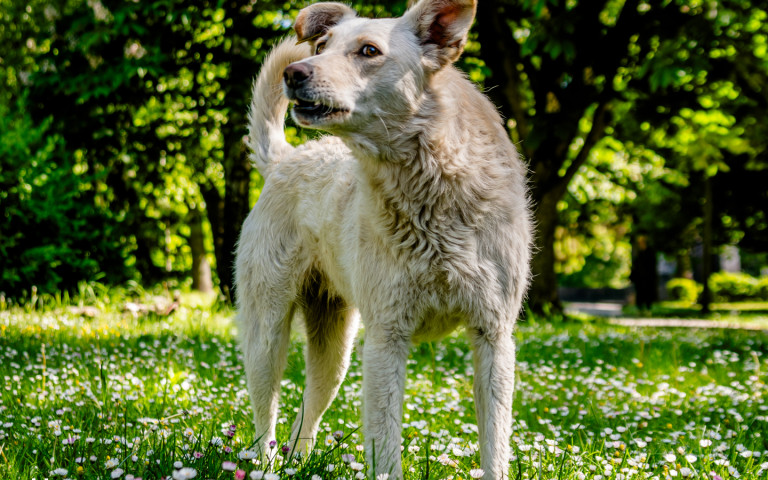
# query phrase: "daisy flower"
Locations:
[[184, 473]]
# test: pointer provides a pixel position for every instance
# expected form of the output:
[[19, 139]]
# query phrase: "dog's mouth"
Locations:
[[314, 110]]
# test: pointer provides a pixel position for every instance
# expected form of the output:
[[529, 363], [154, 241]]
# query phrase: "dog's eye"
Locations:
[[369, 51], [319, 48]]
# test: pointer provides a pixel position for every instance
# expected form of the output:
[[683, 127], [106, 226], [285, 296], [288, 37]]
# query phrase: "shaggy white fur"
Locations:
[[415, 212]]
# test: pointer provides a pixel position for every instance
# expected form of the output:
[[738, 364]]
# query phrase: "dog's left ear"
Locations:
[[316, 19], [442, 27]]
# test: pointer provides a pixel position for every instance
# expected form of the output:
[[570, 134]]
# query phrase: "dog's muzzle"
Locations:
[[296, 75], [307, 105]]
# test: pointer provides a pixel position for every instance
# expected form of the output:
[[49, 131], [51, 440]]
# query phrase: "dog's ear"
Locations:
[[442, 27], [316, 19]]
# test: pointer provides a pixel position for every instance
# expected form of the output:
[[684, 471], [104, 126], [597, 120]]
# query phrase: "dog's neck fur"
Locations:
[[413, 169]]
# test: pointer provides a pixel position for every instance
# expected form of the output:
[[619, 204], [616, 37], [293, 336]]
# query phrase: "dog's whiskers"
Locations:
[[386, 129]]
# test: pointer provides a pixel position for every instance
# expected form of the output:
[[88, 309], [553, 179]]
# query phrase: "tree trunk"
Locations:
[[543, 292], [237, 174], [227, 213], [706, 261], [201, 269]]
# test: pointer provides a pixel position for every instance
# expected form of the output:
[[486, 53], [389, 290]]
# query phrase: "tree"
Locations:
[[148, 100], [151, 98], [55, 228], [155, 95], [721, 158], [564, 67], [52, 231]]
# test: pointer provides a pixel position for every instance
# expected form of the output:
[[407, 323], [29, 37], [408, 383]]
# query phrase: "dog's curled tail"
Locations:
[[266, 118]]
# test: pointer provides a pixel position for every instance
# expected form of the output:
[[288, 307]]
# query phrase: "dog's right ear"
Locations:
[[316, 19], [442, 27]]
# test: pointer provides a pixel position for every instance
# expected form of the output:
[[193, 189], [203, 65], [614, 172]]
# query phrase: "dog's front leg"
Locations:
[[384, 359], [494, 360]]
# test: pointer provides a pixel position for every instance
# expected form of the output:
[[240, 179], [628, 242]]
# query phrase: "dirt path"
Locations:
[[598, 309], [612, 311], [682, 322]]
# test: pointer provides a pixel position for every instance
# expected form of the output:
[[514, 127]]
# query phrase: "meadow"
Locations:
[[99, 386]]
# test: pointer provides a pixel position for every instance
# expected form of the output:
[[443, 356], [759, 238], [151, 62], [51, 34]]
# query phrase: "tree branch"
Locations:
[[600, 121]]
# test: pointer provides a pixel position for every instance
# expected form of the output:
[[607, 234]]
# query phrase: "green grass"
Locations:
[[121, 394]]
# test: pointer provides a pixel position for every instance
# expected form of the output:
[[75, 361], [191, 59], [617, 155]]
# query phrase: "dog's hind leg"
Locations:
[[494, 361], [331, 330], [267, 278], [265, 336]]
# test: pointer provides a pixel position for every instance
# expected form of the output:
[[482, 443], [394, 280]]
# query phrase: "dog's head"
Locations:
[[368, 71]]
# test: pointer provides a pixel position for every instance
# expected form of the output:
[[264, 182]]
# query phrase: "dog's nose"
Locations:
[[297, 73]]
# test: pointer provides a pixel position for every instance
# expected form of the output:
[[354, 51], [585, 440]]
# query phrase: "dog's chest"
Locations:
[[436, 323]]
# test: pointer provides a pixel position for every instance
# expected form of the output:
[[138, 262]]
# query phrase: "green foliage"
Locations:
[[704, 137], [735, 287], [762, 288], [143, 111], [55, 230], [592, 245], [600, 210], [753, 263], [684, 290], [677, 87], [151, 98], [154, 96], [716, 132]]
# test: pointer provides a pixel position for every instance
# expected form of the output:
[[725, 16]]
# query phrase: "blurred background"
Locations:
[[644, 125]]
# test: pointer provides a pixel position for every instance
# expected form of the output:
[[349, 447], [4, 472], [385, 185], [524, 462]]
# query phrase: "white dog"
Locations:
[[415, 212]]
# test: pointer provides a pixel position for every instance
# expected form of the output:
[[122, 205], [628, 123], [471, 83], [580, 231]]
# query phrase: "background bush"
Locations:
[[724, 287], [684, 290], [762, 288], [733, 287], [53, 231]]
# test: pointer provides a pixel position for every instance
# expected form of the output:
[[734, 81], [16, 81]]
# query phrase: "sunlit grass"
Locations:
[[122, 394]]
